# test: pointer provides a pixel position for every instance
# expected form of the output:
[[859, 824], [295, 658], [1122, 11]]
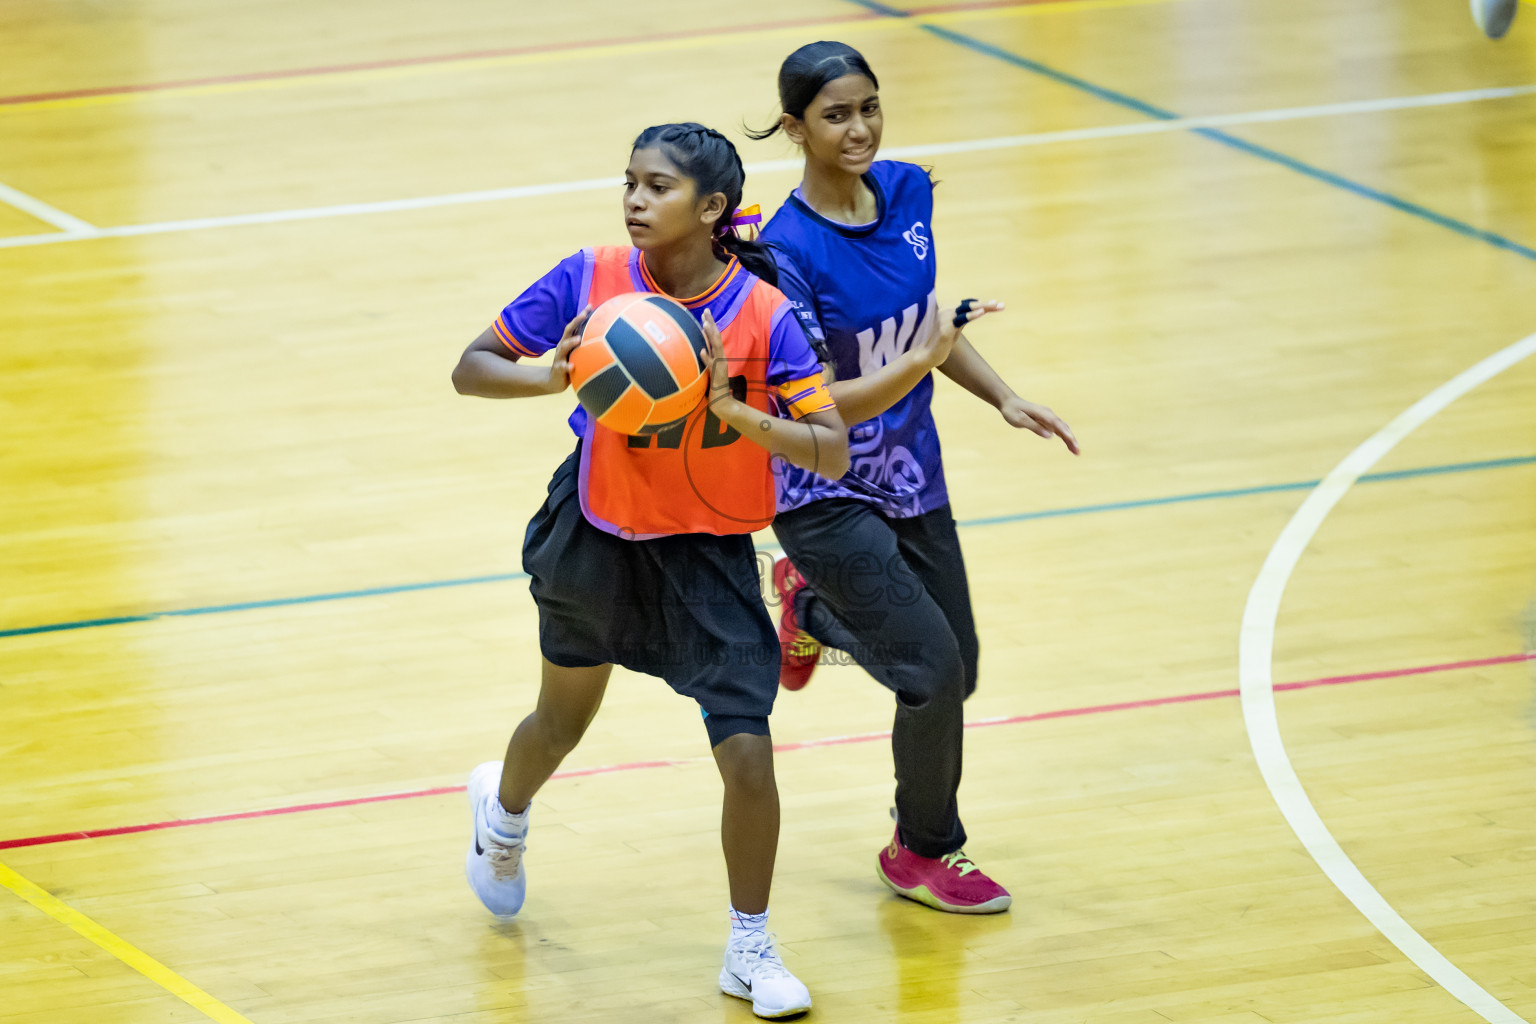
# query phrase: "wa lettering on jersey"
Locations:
[[867, 291], [877, 349]]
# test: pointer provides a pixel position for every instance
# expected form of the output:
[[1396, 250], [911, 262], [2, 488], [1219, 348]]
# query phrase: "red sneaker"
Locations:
[[800, 650], [951, 882]]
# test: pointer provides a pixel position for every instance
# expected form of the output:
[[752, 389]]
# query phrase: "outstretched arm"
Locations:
[[966, 367], [488, 369], [867, 396]]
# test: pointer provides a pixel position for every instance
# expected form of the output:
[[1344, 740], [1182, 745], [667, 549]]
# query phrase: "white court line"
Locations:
[[1184, 124], [84, 231], [74, 226], [1256, 653]]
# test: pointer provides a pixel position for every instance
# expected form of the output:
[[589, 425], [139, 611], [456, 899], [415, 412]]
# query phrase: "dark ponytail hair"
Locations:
[[806, 72], [708, 157]]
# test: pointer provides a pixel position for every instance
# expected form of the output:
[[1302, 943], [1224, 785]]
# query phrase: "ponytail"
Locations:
[[807, 71]]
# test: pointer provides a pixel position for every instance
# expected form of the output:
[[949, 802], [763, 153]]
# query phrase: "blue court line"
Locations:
[[1244, 492], [1018, 517], [276, 602], [1214, 134]]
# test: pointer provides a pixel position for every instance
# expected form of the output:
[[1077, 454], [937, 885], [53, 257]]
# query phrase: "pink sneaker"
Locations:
[[951, 882], [799, 650]]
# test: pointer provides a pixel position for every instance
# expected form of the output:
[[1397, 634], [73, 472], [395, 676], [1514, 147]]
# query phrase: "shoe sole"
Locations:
[[922, 894], [731, 987]]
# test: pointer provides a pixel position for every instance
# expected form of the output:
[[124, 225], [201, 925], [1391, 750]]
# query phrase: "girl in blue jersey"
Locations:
[[873, 564], [626, 566]]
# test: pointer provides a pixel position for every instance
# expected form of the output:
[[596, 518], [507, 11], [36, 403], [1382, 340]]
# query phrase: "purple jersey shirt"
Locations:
[[868, 293]]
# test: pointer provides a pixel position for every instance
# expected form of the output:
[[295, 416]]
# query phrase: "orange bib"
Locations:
[[699, 476]]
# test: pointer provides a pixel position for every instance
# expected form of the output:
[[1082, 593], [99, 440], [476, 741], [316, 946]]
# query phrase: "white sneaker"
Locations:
[[754, 971], [1494, 16], [494, 864]]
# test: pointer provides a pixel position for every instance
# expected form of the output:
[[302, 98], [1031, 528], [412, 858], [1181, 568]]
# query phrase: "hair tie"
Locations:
[[747, 218]]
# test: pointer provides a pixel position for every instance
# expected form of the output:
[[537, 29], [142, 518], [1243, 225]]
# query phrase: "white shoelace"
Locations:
[[757, 949], [506, 861], [504, 853]]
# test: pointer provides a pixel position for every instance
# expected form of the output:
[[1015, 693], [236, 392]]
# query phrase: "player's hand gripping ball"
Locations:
[[638, 367]]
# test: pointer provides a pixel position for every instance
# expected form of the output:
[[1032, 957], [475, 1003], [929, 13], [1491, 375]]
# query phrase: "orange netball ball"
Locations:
[[638, 366]]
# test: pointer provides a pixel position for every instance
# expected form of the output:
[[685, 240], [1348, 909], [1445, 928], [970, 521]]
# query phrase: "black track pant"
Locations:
[[892, 593]]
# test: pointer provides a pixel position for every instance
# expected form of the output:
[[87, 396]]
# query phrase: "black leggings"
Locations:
[[892, 593]]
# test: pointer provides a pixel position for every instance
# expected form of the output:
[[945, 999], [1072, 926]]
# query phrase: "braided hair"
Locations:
[[708, 157]]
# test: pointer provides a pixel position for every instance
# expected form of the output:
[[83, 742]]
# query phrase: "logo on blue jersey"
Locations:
[[917, 240]]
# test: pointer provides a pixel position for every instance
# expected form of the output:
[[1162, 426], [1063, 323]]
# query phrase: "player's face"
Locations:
[[841, 127], [661, 203]]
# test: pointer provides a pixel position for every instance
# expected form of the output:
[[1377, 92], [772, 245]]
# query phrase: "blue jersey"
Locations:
[[868, 293]]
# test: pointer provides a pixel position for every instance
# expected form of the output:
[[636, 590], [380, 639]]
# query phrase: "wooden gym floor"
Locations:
[[260, 610]]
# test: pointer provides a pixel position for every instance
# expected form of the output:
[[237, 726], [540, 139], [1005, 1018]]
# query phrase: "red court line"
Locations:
[[1306, 684], [67, 837], [511, 51], [441, 58], [830, 741]]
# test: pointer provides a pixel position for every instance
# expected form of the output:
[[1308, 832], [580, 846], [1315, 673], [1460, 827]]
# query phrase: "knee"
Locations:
[[746, 765], [937, 670]]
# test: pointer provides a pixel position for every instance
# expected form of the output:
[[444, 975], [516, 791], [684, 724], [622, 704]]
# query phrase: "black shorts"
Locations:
[[687, 608]]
